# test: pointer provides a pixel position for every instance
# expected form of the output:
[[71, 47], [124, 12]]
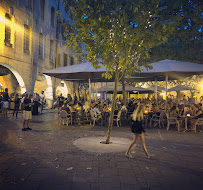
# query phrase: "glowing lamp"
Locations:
[[188, 115]]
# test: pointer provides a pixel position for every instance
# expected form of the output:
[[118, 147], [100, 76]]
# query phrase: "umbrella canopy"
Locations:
[[174, 69], [144, 78], [180, 88], [159, 88], [80, 71], [131, 88], [105, 89], [84, 71]]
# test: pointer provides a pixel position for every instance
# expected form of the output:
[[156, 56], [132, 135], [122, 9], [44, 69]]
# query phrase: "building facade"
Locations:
[[32, 41]]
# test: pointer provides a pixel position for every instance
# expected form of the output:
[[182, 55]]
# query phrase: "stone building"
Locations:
[[32, 41]]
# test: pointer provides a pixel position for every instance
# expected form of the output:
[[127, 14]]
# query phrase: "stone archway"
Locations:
[[44, 83], [13, 81]]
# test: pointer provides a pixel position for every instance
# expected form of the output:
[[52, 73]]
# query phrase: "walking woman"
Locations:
[[17, 105], [138, 130]]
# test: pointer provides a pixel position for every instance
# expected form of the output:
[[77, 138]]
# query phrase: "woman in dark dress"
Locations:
[[138, 130], [17, 105]]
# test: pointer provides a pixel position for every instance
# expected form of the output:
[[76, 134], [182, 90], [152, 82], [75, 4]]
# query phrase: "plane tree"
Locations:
[[121, 33]]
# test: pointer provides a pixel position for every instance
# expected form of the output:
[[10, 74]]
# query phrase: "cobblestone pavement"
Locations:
[[46, 158]]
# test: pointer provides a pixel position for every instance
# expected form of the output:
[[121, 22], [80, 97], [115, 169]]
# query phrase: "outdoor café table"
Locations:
[[186, 119]]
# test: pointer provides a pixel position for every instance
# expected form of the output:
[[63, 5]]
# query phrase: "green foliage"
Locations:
[[121, 33], [185, 41]]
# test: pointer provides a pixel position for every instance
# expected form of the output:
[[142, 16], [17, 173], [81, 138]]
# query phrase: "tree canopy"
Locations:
[[121, 33], [185, 42]]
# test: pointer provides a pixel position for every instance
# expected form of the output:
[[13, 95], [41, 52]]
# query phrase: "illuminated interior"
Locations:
[[17, 76]]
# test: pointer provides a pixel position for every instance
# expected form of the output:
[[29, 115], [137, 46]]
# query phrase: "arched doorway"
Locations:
[[44, 83], [62, 89], [11, 79]]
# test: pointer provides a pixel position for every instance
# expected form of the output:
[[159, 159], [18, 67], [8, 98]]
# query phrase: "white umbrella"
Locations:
[[105, 89], [153, 88], [180, 88], [171, 69], [78, 71]]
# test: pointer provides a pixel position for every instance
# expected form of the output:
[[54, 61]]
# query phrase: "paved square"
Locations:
[[48, 157]]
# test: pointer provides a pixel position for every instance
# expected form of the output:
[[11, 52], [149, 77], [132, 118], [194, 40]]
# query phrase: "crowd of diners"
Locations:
[[101, 108], [80, 108]]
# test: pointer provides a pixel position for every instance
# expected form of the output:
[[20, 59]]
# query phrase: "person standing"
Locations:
[[27, 113], [75, 100], [36, 99], [60, 102], [42, 100], [17, 105], [5, 102], [138, 130]]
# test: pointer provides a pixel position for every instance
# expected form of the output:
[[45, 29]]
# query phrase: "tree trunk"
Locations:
[[110, 125], [124, 92]]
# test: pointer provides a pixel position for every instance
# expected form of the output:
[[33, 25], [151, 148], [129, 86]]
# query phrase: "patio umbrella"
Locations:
[[82, 71], [129, 88], [105, 89], [153, 88], [85, 72], [174, 69], [171, 70], [180, 88]]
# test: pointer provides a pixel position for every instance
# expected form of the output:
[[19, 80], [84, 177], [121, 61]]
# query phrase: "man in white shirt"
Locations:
[[96, 111], [42, 100]]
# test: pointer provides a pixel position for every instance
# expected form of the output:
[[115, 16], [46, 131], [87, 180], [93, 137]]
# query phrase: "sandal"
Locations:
[[128, 155]]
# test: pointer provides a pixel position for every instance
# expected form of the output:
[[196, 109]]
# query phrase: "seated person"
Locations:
[[173, 112], [66, 107], [198, 113], [86, 107], [96, 111]]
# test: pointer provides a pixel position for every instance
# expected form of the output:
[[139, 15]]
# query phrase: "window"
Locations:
[[65, 56], [52, 16], [26, 38], [29, 4], [41, 45], [11, 10], [51, 51], [42, 8], [8, 31], [71, 60]]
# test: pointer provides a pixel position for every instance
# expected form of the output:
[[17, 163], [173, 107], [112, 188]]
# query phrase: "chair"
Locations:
[[117, 118], [198, 122], [64, 116], [86, 116], [172, 121], [158, 119]]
